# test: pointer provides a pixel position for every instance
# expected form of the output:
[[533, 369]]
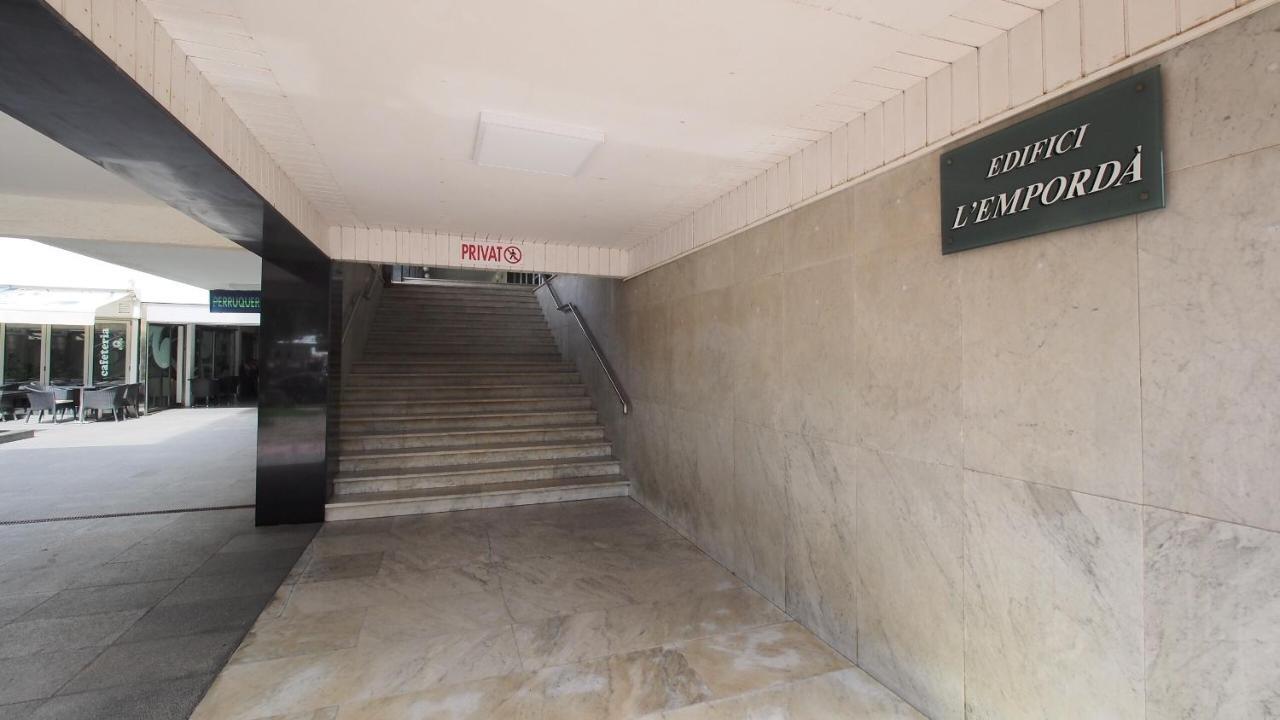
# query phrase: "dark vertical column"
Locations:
[[293, 404], [56, 81]]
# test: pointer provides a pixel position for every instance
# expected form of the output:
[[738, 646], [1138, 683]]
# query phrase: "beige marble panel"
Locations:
[[707, 506], [754, 508], [701, 382], [906, 346], [1053, 603], [817, 233], [1222, 92], [712, 267], [1212, 619], [649, 461], [901, 203], [1210, 286], [821, 584], [759, 369], [756, 252], [1051, 386], [849, 693], [910, 535], [649, 347], [819, 397]]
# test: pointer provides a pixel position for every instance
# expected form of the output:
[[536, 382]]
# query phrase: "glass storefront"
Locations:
[[161, 350], [215, 352], [110, 348], [22, 345], [66, 355]]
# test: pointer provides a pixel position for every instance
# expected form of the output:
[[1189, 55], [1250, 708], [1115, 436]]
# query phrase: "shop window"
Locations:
[[66, 356], [22, 353], [109, 348]]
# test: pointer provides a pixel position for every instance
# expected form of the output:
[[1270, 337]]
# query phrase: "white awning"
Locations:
[[56, 306]]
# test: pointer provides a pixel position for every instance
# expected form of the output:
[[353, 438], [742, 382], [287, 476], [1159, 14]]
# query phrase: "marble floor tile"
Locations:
[[391, 586], [848, 693], [593, 610], [300, 634], [342, 567], [590, 635], [756, 658]]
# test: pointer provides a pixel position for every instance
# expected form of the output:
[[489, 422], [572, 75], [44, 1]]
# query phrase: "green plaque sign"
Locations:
[[235, 301], [1097, 157]]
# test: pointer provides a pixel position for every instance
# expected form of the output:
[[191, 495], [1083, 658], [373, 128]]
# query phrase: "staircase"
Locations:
[[460, 401]]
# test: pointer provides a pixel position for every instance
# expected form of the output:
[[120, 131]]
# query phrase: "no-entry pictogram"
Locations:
[[512, 254]]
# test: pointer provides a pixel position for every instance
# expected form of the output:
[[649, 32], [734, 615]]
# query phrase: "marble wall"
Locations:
[[1036, 480]]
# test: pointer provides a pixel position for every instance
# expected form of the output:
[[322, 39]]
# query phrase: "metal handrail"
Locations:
[[364, 295], [591, 340]]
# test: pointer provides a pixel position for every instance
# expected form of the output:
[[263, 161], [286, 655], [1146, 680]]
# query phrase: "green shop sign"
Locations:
[[235, 301], [1098, 157]]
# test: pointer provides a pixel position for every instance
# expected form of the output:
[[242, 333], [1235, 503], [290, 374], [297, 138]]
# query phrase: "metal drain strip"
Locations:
[[103, 516]]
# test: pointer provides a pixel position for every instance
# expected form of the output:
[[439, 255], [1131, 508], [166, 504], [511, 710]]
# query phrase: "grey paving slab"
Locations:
[[146, 701], [294, 536], [137, 571], [213, 587], [28, 637], [248, 561], [155, 660], [172, 459], [39, 676], [20, 711], [94, 600], [222, 614], [13, 606]]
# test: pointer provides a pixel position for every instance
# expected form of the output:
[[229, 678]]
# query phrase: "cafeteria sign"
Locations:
[[1098, 157], [235, 301]]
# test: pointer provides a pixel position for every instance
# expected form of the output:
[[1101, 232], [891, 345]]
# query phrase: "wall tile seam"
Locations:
[[1204, 27]]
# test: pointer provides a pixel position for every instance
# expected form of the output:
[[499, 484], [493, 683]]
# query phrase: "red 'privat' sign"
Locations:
[[509, 254]]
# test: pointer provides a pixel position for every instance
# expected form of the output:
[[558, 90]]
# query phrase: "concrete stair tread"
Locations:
[[483, 431], [470, 416], [434, 388], [473, 468], [357, 404], [474, 449], [486, 489]]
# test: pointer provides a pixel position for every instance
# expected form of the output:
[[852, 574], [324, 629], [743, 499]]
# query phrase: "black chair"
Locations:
[[42, 401], [132, 399], [110, 399], [228, 389], [202, 388]]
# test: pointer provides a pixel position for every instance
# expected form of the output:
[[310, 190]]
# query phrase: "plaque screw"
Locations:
[[1144, 195], [948, 161], [1139, 87]]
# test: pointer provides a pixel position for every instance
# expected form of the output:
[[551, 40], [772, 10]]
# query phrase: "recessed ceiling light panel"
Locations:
[[539, 146]]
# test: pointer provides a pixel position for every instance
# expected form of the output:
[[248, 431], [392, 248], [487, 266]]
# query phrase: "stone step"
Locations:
[[461, 286], [544, 344], [360, 410], [469, 421], [462, 392], [448, 310], [373, 505], [466, 456], [464, 354], [376, 364], [455, 378], [400, 331], [441, 319], [453, 438], [405, 479]]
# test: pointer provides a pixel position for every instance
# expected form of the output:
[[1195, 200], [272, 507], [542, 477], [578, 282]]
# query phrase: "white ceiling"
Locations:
[[373, 107]]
